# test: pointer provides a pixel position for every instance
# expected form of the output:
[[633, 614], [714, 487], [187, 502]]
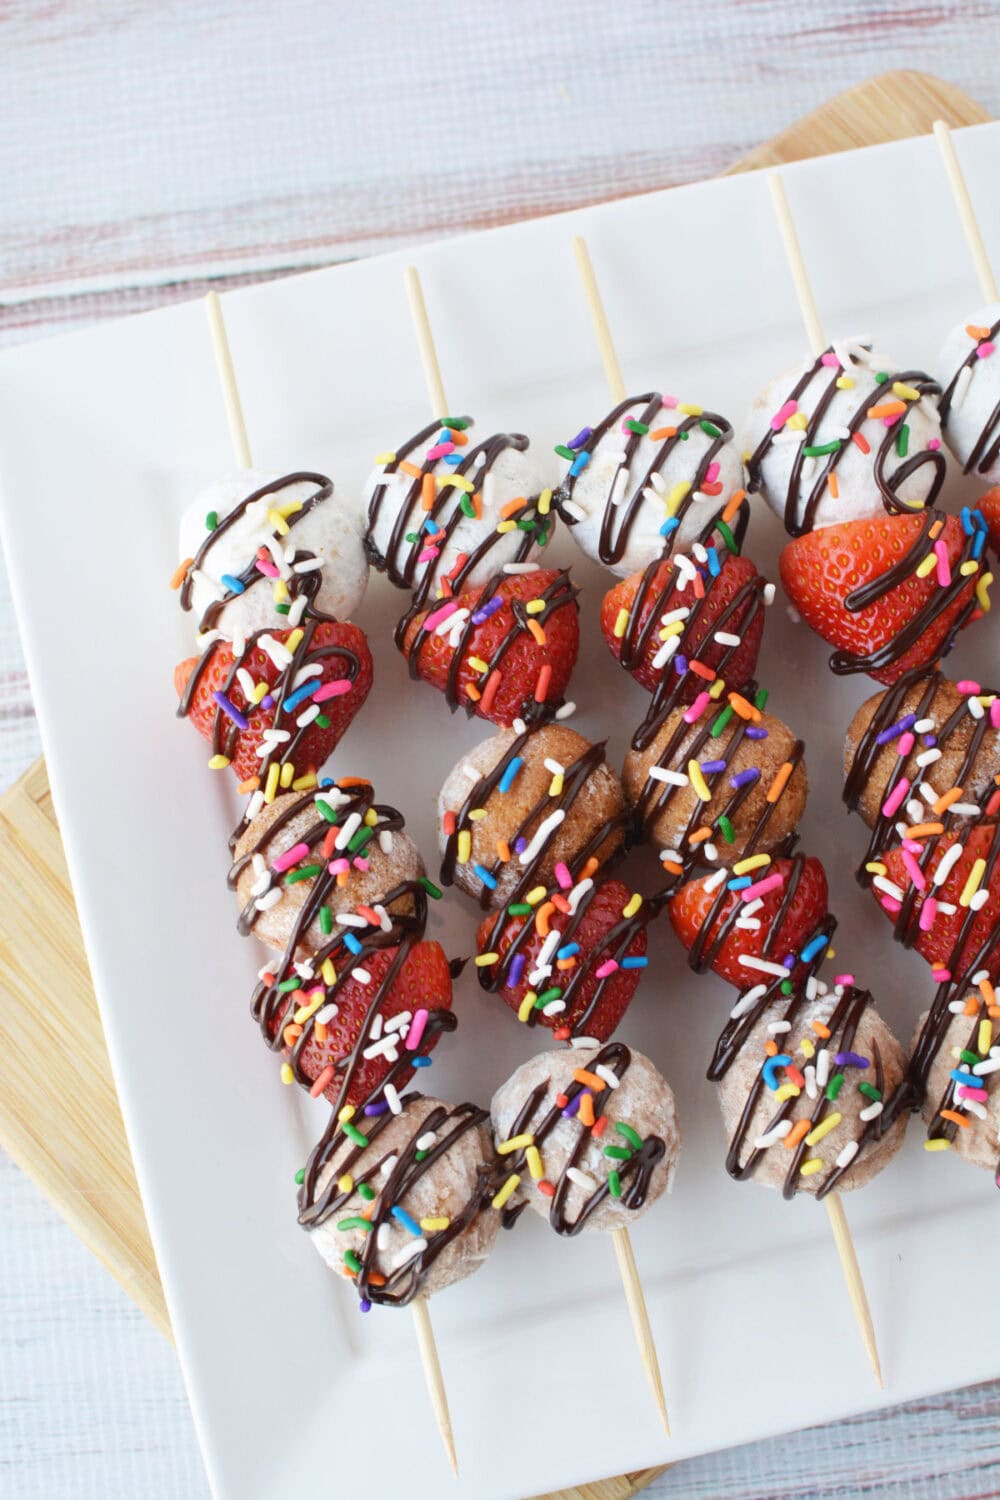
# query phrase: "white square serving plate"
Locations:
[[104, 437]]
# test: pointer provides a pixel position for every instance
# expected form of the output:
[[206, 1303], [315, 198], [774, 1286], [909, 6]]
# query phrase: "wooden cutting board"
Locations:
[[62, 1124]]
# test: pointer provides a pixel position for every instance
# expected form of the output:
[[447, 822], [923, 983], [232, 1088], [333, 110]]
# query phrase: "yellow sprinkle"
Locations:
[[876, 867], [303, 783], [287, 774], [371, 818], [972, 884], [905, 392], [385, 458], [806, 1047], [621, 623], [294, 640], [515, 1143], [823, 1128], [632, 905], [280, 591], [478, 665], [940, 1143], [431, 1225], [755, 861], [287, 1076], [556, 785], [534, 1160], [814, 1164], [261, 690], [787, 1091], [483, 960], [218, 763], [927, 566], [544, 502], [328, 972], [798, 421], [688, 410], [718, 688], [534, 606], [985, 1037], [536, 894], [477, 815], [272, 782], [509, 1187], [305, 1011], [464, 846], [458, 482], [677, 495], [289, 508], [844, 383], [526, 1006], [277, 520], [674, 628], [968, 568], [345, 1184], [345, 1114], [505, 526], [698, 781], [983, 591]]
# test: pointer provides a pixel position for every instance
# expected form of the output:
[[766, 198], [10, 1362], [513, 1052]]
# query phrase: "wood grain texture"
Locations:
[[75, 248]]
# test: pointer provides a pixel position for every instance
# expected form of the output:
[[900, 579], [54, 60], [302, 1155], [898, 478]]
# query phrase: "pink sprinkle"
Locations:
[[782, 414], [359, 863], [964, 1092], [985, 349], [332, 690], [698, 707], [914, 871], [712, 473], [429, 554], [913, 846], [267, 568], [416, 1031], [830, 359], [440, 615], [769, 883], [339, 867], [290, 857], [943, 565], [968, 687], [668, 401], [889, 905], [928, 914], [438, 451], [941, 976], [843, 978], [563, 876], [995, 713], [607, 968], [906, 743], [890, 421], [896, 797], [934, 444]]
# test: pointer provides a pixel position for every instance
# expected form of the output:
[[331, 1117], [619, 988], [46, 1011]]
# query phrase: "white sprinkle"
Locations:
[[947, 863], [566, 710], [279, 654], [673, 615], [347, 831], [386, 1046], [309, 565], [554, 1008], [710, 852], [377, 1024], [254, 804], [812, 1086], [577, 894], [297, 609], [714, 881], [522, 567], [928, 757], [987, 1066], [400, 1021], [412, 1248], [361, 975], [427, 1140], [700, 552], [519, 726], [979, 900], [619, 488], [608, 1074], [964, 810], [383, 1236], [663, 773], [385, 840], [778, 1028], [726, 638], [307, 715], [762, 965], [956, 1007], [386, 1170], [453, 622], [771, 1137], [823, 1067], [748, 924], [882, 883], [975, 1108], [391, 1094], [246, 682], [351, 919], [924, 726], [872, 1112], [975, 708], [747, 1001], [553, 766], [586, 1043], [543, 833], [574, 510], [848, 1154], [753, 907], [582, 1179], [666, 651], [789, 436], [769, 593], [326, 1013], [264, 903]]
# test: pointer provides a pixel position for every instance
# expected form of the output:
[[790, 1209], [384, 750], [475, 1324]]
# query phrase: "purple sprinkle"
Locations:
[[789, 960], [744, 778], [581, 438], [378, 1108], [230, 708], [930, 740], [267, 701], [850, 1060], [516, 970], [520, 845], [574, 1104], [481, 615], [680, 665], [711, 767], [896, 729], [364, 1305], [756, 732]]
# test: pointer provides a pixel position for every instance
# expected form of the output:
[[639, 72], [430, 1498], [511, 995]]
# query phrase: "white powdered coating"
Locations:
[[443, 1191], [643, 1099], [858, 494], [593, 486], [734, 1090], [980, 1143], [970, 412], [512, 476], [331, 532], [363, 888]]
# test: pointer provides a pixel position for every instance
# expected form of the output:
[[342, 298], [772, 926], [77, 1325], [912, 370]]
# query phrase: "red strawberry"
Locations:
[[349, 659], [424, 983], [517, 645], [819, 571], [598, 933], [989, 504], [691, 907], [942, 945], [697, 641]]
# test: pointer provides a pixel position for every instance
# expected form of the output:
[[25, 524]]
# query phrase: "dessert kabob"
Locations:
[[531, 820], [714, 781], [354, 997], [932, 856]]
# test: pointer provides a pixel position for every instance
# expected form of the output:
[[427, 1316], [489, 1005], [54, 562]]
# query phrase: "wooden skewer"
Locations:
[[834, 1205], [241, 451], [425, 341], [966, 212], [634, 1295]]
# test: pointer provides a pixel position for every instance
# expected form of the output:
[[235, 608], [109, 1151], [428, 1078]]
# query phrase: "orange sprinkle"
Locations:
[[779, 783], [955, 1117], [472, 692], [342, 879], [490, 690], [565, 963], [860, 441], [542, 685], [987, 991], [699, 587], [560, 903], [733, 504], [975, 332], [600, 1126], [428, 492], [924, 830], [744, 708], [449, 823], [586, 1111], [542, 915], [935, 529], [346, 781], [833, 484], [503, 850], [886, 409], [589, 1080], [511, 508], [821, 1030], [771, 1047], [291, 1034], [330, 840], [659, 433], [250, 785], [946, 799], [536, 630], [971, 1006], [405, 467], [322, 1081], [799, 1129], [178, 577], [376, 1278], [589, 867], [321, 1031], [707, 674], [700, 835], [369, 915]]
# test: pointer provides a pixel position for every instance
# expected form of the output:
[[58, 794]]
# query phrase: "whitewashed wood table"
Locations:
[[147, 151]]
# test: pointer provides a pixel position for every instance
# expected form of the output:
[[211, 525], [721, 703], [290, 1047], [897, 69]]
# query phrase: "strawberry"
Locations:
[[697, 640], [514, 644], [424, 983], [692, 905], [942, 944], [989, 506], [598, 933], [315, 742]]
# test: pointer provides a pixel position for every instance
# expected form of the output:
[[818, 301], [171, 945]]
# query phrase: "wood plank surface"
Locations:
[[62, 1124]]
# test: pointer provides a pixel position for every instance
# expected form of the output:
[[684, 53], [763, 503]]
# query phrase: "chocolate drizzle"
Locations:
[[402, 1283], [985, 452], [635, 1174], [888, 485], [618, 520]]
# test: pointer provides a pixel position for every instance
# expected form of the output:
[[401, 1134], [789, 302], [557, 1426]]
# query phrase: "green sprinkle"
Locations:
[[721, 720], [710, 428], [547, 996], [283, 609], [639, 428], [820, 450], [565, 452], [419, 1155], [300, 1176], [354, 1134], [325, 810], [361, 838], [289, 984], [519, 909], [466, 506], [902, 440], [322, 720], [726, 829], [351, 1262], [526, 525], [870, 1091], [304, 872], [972, 1058], [727, 537], [367, 1193], [634, 1139], [834, 1087], [760, 697], [432, 890], [543, 538], [211, 520], [881, 377], [411, 537], [614, 1185], [684, 435], [325, 920], [785, 986], [457, 424], [355, 1222], [618, 1153]]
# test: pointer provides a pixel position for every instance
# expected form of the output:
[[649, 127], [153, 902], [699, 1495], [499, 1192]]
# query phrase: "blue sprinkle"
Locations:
[[967, 525], [507, 779], [811, 949], [407, 1220], [782, 1060], [568, 950], [744, 778], [453, 458], [714, 565], [432, 526], [978, 543], [671, 524], [634, 963], [326, 781], [968, 1079], [233, 584], [301, 694], [485, 876], [421, 1062], [739, 884], [580, 462], [351, 942]]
